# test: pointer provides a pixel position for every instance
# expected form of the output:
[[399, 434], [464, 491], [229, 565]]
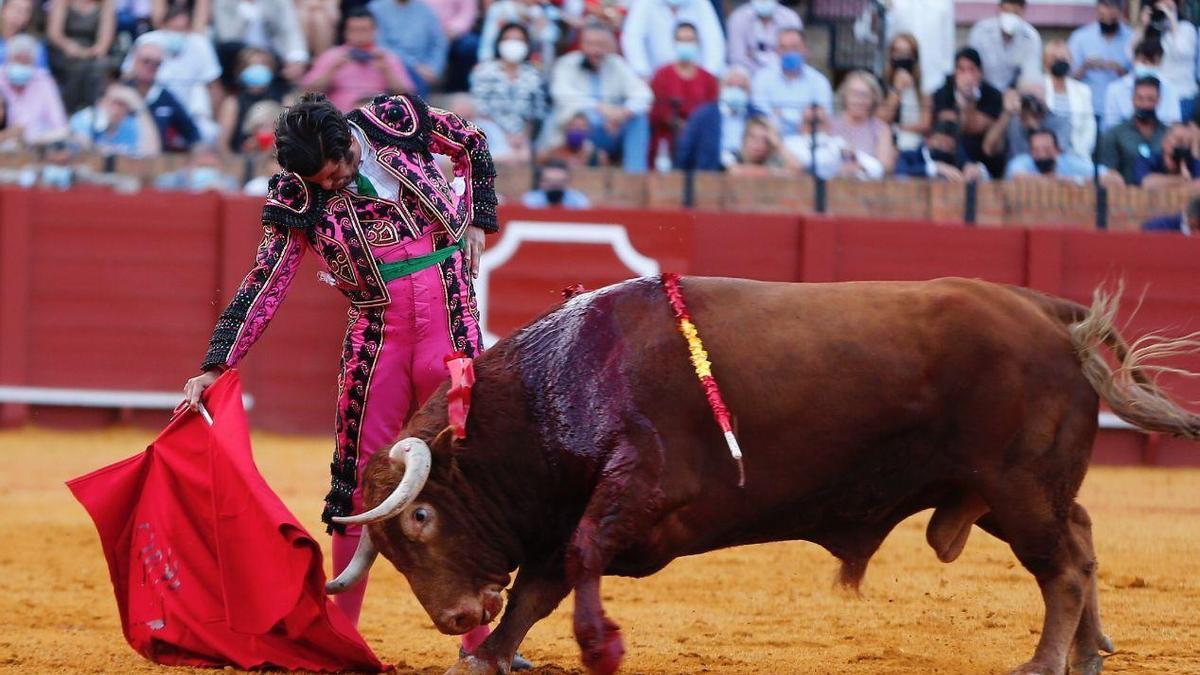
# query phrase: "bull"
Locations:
[[593, 449]]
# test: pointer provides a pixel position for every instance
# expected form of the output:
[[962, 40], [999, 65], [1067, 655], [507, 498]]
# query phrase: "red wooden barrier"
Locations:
[[109, 291]]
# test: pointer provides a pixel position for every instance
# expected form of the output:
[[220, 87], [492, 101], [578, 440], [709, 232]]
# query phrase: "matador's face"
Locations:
[[337, 175]]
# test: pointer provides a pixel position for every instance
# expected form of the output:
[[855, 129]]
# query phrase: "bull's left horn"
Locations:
[[360, 564], [411, 456]]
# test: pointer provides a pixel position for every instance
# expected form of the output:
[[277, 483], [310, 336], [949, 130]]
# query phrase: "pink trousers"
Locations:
[[393, 359]]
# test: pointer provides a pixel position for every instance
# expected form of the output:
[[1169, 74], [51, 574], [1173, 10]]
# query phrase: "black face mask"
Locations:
[[1181, 154], [907, 63], [1145, 114], [554, 196], [943, 157], [1044, 166], [1109, 28], [1060, 68]]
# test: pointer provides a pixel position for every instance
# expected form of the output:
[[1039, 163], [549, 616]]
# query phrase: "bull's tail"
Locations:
[[1131, 389]]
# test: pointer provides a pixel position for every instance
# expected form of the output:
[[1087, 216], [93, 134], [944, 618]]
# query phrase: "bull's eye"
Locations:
[[421, 515]]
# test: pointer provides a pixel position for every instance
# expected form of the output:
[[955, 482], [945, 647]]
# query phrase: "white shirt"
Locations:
[[1179, 58], [648, 37], [1076, 105], [932, 23], [1118, 102], [785, 99], [1003, 61], [189, 65], [386, 185]]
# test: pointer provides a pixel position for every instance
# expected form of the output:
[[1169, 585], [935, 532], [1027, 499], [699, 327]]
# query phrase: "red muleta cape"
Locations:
[[208, 566]]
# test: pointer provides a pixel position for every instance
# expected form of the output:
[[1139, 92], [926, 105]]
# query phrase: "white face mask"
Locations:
[[1009, 23], [763, 8], [513, 51]]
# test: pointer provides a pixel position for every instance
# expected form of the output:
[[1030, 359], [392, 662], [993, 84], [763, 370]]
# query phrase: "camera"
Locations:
[[1033, 105], [361, 56], [1159, 22]]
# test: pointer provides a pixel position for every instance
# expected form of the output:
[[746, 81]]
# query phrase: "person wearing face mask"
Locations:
[[975, 105], [554, 188], [509, 90], [906, 107], [267, 25], [1069, 98], [713, 134], [1172, 164], [940, 156], [787, 90], [679, 88], [202, 173], [1009, 46], [176, 130], [1160, 21], [1046, 161], [1147, 59], [540, 19], [34, 104], [1025, 111], [1124, 144], [931, 24], [753, 32], [189, 69], [117, 124], [648, 38], [1100, 50], [255, 75]]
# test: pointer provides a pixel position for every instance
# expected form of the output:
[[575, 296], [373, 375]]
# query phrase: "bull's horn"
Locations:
[[360, 564], [411, 456]]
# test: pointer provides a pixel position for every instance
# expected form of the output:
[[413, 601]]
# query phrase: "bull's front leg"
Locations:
[[622, 508], [537, 590]]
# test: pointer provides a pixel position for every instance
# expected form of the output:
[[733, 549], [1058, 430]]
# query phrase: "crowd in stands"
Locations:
[[635, 84]]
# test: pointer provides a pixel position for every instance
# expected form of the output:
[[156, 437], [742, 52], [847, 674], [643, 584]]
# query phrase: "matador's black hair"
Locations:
[[310, 133]]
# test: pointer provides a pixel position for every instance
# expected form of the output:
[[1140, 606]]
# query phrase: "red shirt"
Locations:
[[676, 96]]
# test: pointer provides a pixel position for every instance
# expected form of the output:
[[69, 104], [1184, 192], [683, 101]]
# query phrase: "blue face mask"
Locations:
[[204, 178], [734, 98], [256, 75], [19, 74], [791, 62], [56, 176], [688, 52]]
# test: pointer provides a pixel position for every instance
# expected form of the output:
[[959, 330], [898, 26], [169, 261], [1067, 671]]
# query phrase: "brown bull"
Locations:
[[592, 450]]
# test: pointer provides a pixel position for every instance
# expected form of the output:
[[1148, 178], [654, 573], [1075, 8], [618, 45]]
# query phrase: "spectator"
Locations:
[[257, 129], [906, 107], [1046, 161], [201, 174], [1025, 111], [255, 70], [1161, 23], [602, 85], [189, 69], [411, 31], [575, 147], [457, 18], [1069, 98], [318, 20], [1118, 98], [58, 170], [1011, 49], [554, 188], [1173, 164], [1099, 50], [679, 88], [539, 19], [463, 105], [16, 17], [358, 68], [713, 134], [267, 25], [787, 90], [510, 91], [176, 130], [117, 124], [34, 104], [753, 33], [1186, 223], [974, 105], [648, 39], [834, 155], [199, 11], [610, 13], [940, 156], [859, 98], [931, 23], [762, 152], [1122, 145], [81, 33]]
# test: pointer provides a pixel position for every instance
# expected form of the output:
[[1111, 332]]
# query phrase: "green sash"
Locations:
[[403, 268]]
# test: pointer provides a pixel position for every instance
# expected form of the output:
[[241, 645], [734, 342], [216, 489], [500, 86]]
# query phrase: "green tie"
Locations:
[[364, 185]]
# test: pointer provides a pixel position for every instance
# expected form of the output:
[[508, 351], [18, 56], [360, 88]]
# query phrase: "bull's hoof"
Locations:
[[1106, 644], [470, 665], [1032, 668], [1091, 665], [604, 657]]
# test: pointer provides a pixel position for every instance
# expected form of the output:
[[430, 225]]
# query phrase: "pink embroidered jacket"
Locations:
[[354, 233]]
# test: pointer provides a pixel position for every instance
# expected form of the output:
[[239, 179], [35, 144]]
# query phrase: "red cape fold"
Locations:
[[208, 566]]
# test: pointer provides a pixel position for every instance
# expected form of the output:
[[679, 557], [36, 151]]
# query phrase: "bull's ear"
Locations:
[[446, 440]]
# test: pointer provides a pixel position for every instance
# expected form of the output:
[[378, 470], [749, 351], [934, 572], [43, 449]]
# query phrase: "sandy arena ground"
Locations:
[[763, 609]]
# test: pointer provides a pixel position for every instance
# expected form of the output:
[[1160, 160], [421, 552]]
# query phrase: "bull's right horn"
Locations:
[[360, 564], [411, 456]]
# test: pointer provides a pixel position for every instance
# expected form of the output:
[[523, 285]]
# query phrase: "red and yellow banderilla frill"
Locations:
[[703, 367]]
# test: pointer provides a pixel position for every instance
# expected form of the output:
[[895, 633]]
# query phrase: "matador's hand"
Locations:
[[474, 249], [196, 386]]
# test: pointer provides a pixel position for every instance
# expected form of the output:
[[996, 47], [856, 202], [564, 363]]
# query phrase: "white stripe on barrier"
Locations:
[[98, 398]]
